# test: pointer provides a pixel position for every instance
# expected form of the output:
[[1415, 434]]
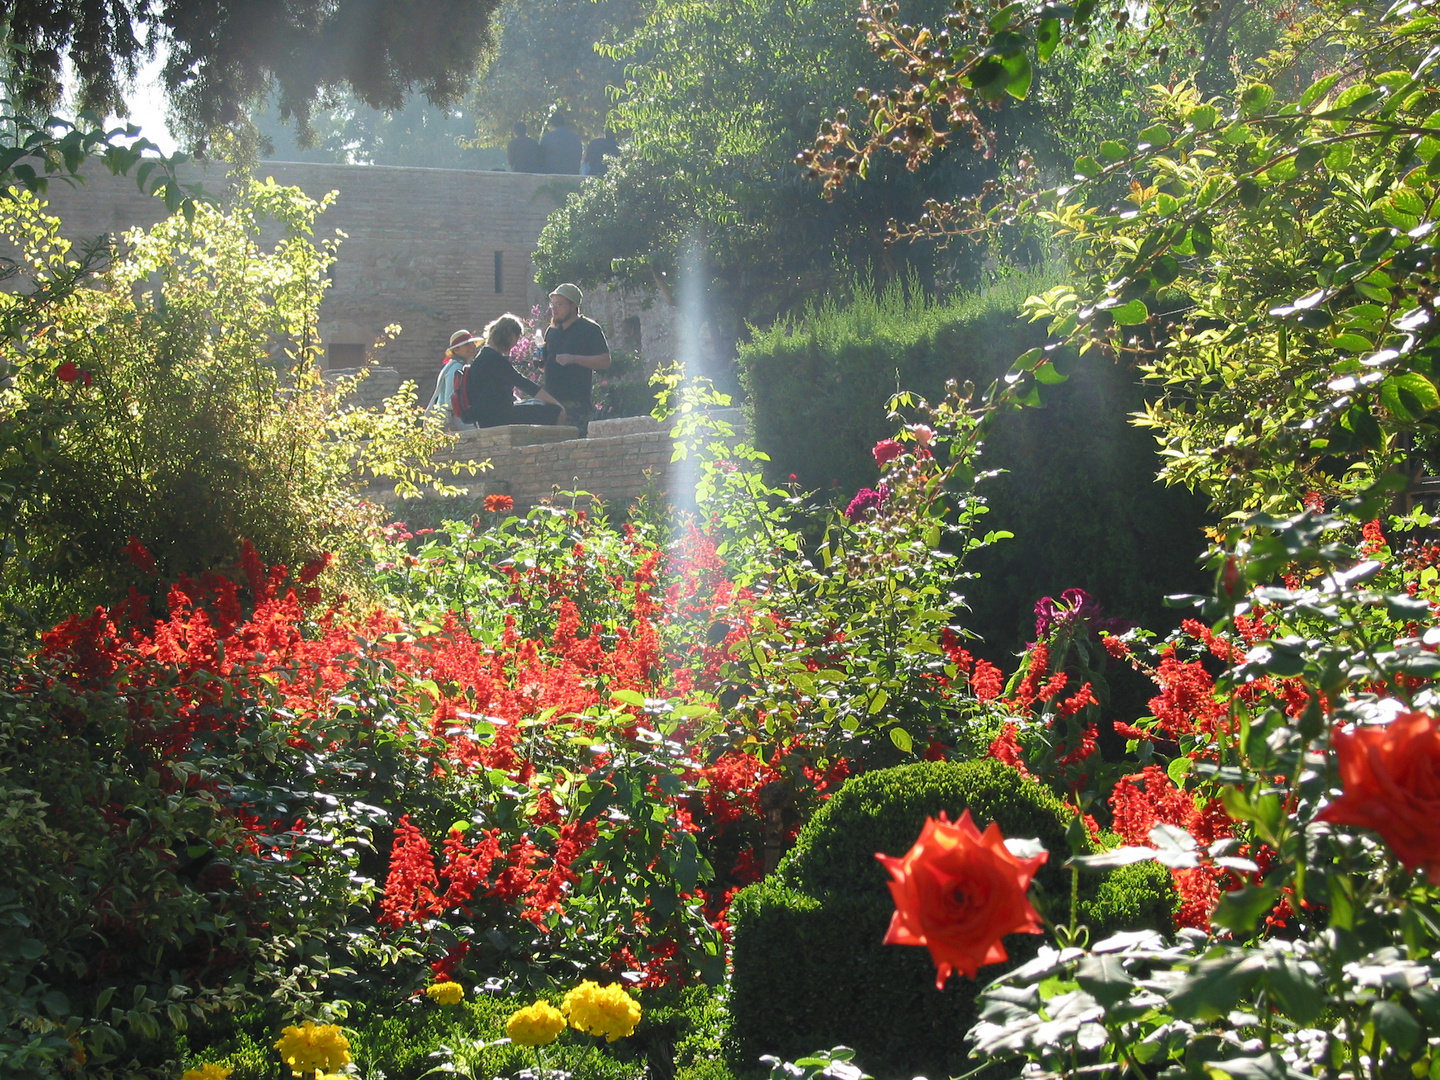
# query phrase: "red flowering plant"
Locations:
[[851, 656], [1049, 715], [1288, 778], [504, 811]]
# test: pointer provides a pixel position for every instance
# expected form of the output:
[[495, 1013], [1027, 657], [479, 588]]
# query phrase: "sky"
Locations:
[[147, 106]]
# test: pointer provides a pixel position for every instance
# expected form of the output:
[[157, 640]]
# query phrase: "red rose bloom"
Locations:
[[958, 892], [886, 450], [67, 372], [1390, 776]]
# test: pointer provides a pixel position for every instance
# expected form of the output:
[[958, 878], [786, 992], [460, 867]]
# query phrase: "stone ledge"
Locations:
[[626, 425], [472, 441]]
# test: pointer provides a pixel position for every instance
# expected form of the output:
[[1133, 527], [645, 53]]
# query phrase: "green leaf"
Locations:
[[1021, 76], [1004, 17], [1047, 36], [1026, 361], [1256, 99], [1409, 396], [1114, 150], [1338, 157], [1318, 90], [1265, 1067], [1241, 909], [1165, 270], [1214, 987], [1395, 1025], [1300, 996], [1155, 135], [1202, 117], [1132, 314], [1104, 978], [1178, 769], [629, 697], [1087, 167], [1351, 342], [901, 738], [1047, 374]]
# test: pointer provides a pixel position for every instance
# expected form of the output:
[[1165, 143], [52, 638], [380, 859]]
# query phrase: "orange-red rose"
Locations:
[[1390, 781], [958, 892]]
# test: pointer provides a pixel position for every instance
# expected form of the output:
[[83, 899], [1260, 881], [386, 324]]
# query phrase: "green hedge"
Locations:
[[810, 969], [1078, 489]]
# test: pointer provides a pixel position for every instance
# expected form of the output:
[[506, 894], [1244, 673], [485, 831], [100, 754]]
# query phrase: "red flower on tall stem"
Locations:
[[958, 891]]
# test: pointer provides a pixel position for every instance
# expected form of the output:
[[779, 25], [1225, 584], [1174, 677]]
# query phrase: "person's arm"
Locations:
[[544, 396], [597, 362], [521, 383]]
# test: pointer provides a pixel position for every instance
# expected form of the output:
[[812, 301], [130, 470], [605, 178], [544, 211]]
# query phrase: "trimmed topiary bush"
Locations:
[[810, 970], [1077, 479]]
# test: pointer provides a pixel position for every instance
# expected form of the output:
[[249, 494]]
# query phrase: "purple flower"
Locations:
[[866, 499], [1074, 606]]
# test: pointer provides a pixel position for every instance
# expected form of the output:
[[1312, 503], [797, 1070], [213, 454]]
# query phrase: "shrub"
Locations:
[[190, 414], [1077, 484], [810, 968]]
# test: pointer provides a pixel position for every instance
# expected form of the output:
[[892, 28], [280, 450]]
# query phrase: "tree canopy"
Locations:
[[223, 54], [717, 99], [548, 59]]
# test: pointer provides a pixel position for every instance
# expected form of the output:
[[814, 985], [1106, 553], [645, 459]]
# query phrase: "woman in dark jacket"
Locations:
[[492, 381]]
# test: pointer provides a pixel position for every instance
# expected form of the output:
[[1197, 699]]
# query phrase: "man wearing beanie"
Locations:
[[574, 347]]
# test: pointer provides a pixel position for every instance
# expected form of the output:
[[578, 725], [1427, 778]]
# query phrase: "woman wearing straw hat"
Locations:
[[463, 346]]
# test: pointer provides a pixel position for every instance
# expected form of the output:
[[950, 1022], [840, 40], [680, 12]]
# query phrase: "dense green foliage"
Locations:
[[1076, 481], [809, 966], [716, 101], [1265, 257]]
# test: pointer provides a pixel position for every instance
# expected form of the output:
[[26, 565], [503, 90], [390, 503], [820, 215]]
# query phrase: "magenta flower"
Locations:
[[866, 499]]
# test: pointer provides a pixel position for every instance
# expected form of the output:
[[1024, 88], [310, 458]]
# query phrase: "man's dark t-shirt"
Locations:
[[522, 154], [571, 382], [490, 383], [560, 151]]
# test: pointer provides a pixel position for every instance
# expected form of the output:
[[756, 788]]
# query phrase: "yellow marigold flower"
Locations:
[[445, 993], [312, 1048], [535, 1025], [602, 1010], [207, 1072]]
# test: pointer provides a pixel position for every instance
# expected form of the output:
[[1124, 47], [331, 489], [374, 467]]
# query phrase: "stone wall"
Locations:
[[434, 250], [621, 459]]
